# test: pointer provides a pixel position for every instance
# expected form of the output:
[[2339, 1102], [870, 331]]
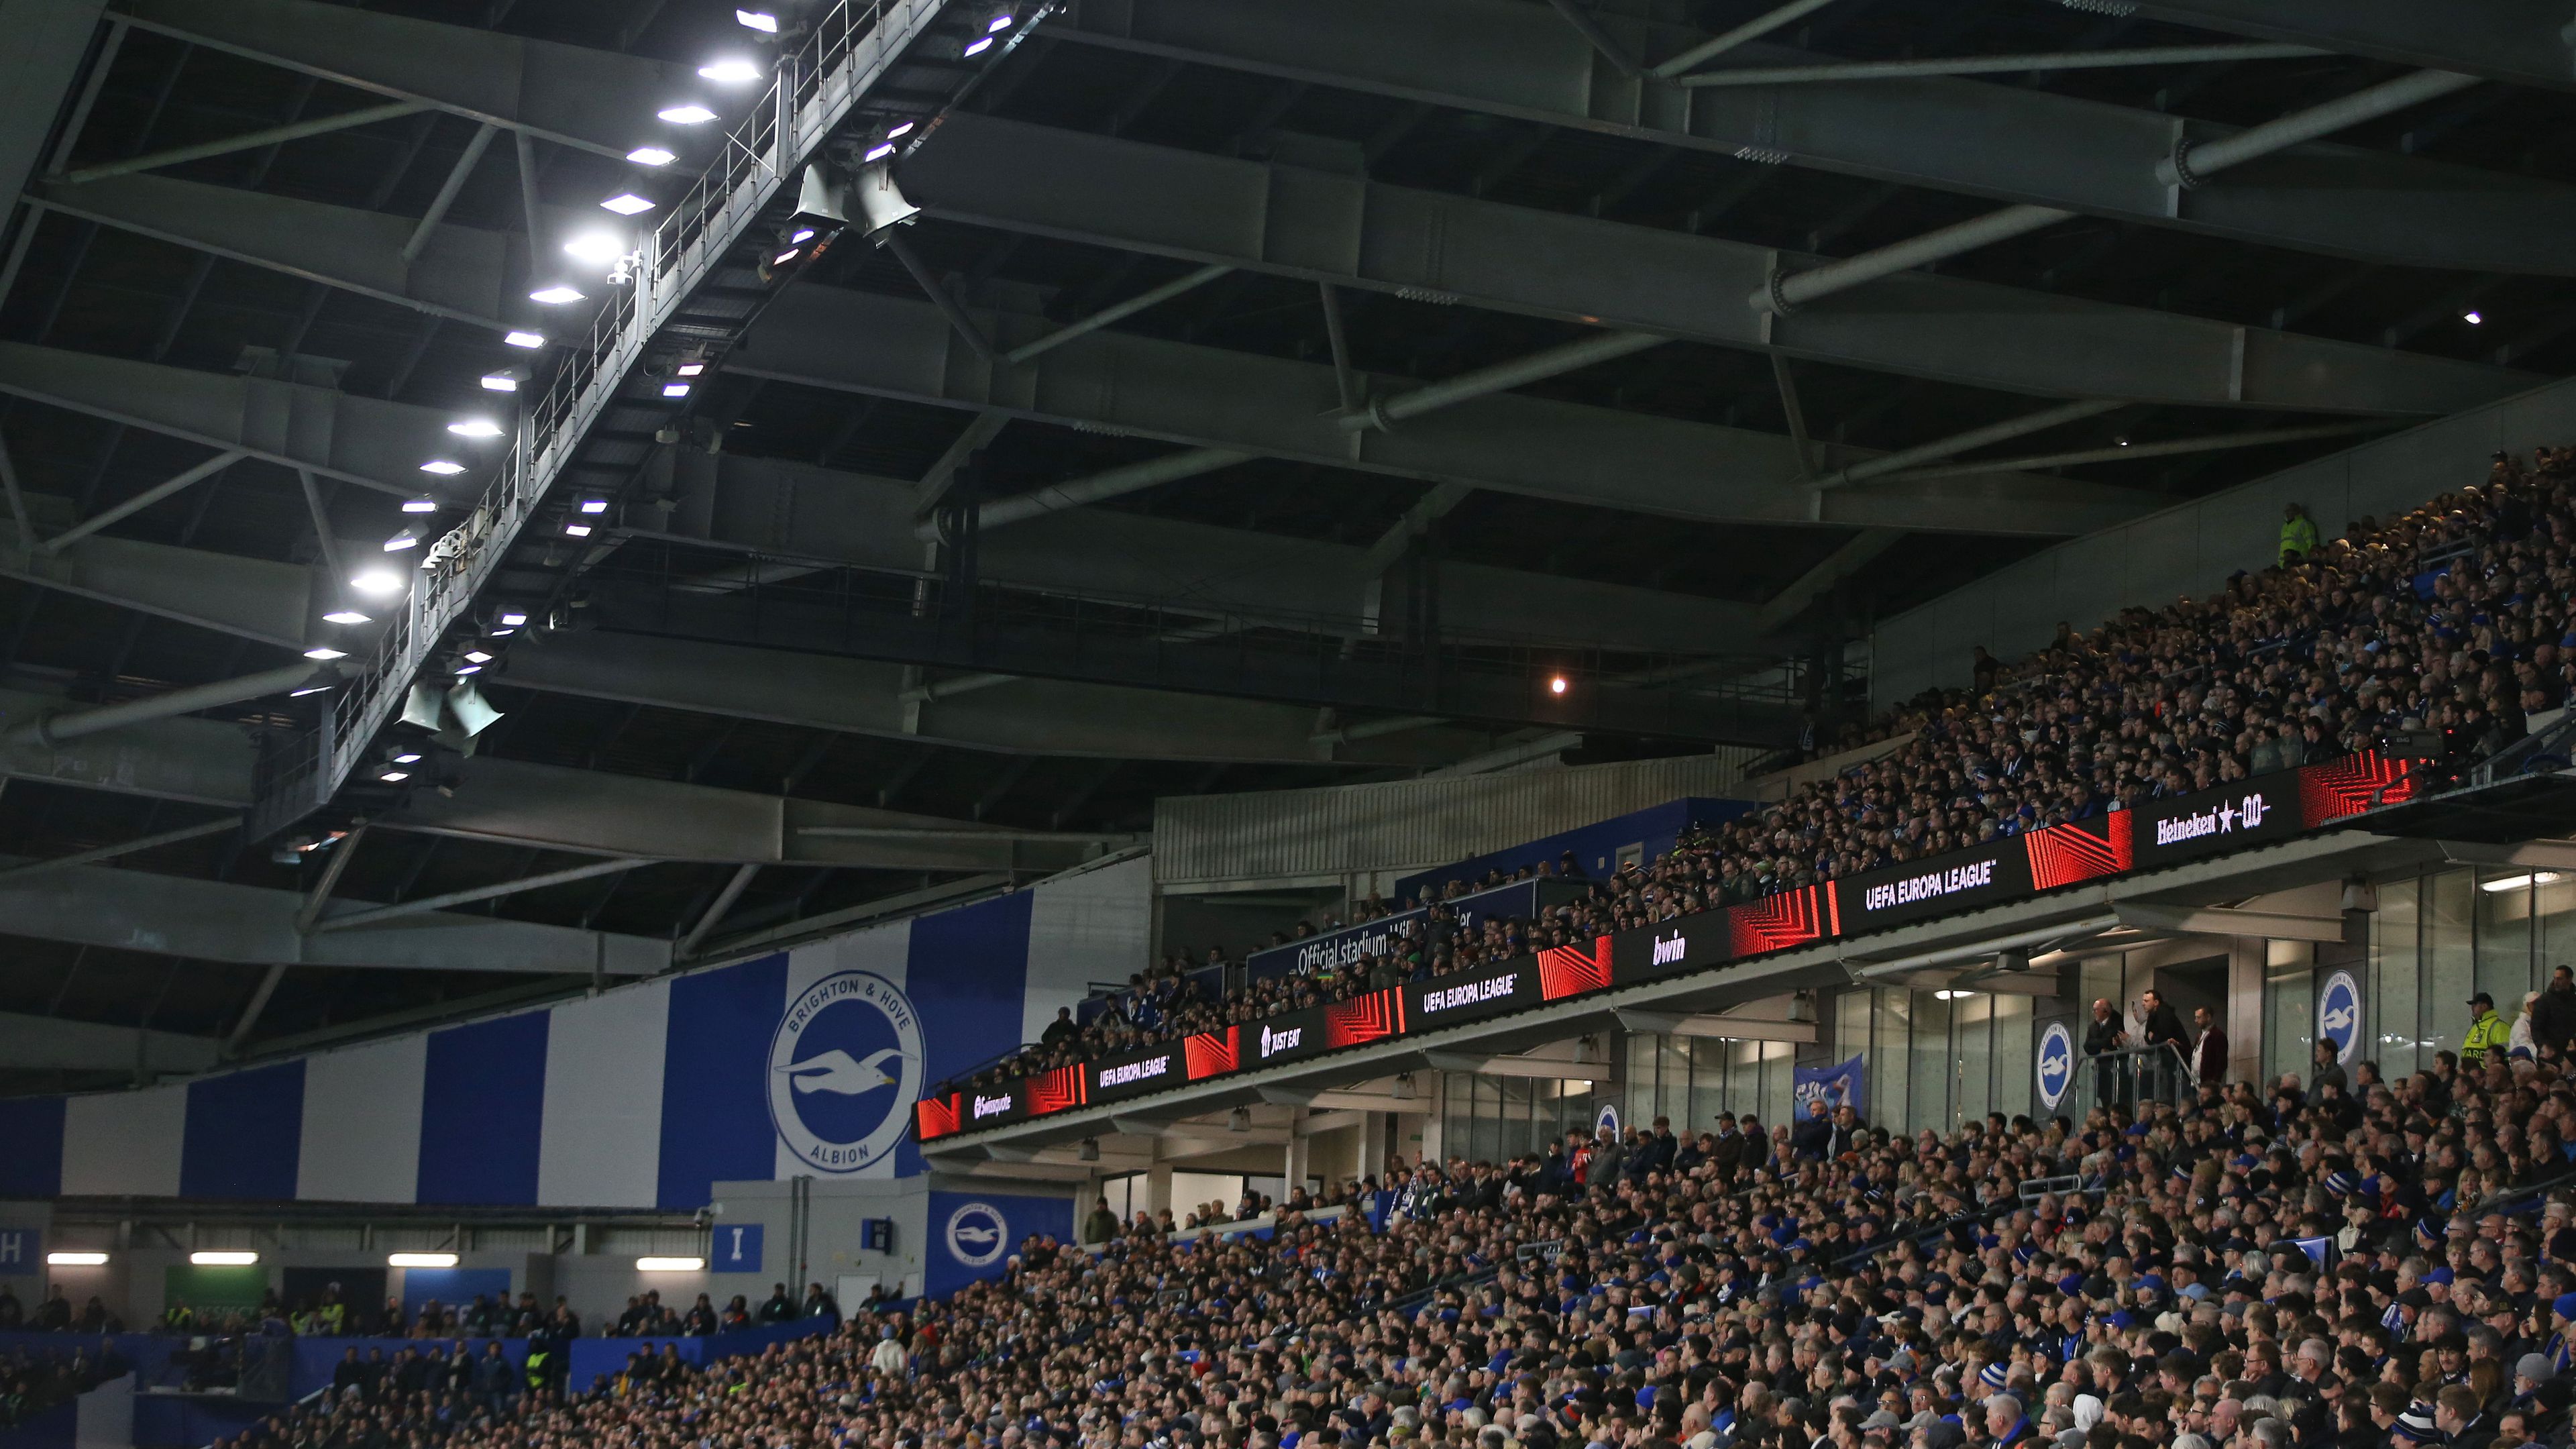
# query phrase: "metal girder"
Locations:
[[122, 848], [462, 273], [47, 40], [2006, 142], [2525, 43], [1047, 717], [246, 597], [1212, 397], [369, 917], [360, 440], [1832, 569], [795, 511], [133, 910], [53, 1044], [1353, 232], [1436, 679], [196, 760], [517, 803], [598, 100]]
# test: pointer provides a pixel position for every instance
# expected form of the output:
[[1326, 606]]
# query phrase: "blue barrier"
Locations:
[[316, 1359], [54, 1428], [148, 1353], [595, 1357]]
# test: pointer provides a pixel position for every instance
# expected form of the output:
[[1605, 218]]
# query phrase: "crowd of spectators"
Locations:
[[54, 1314], [2289, 1266], [32, 1383], [2449, 628]]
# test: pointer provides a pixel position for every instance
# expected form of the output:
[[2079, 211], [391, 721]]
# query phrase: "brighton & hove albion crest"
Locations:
[[977, 1234], [844, 1071]]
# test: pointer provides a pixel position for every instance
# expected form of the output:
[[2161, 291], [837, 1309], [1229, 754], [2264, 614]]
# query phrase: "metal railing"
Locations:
[[818, 82], [2131, 1077]]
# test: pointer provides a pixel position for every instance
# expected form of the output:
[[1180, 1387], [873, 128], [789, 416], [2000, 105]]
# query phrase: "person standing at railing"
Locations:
[[2167, 1046], [2108, 1035], [2209, 1051]]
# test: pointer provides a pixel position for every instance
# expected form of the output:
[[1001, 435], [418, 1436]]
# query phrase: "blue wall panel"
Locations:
[[481, 1110], [243, 1134], [715, 1080], [31, 1146], [967, 974], [973, 1235]]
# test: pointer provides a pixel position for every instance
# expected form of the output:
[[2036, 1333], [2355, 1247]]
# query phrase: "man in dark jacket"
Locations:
[[780, 1308], [2168, 1046], [2553, 1017], [2108, 1034], [1655, 1153], [1814, 1132]]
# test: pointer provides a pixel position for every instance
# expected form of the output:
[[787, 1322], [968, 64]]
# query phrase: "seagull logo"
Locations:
[[980, 1237], [834, 1071], [977, 1235]]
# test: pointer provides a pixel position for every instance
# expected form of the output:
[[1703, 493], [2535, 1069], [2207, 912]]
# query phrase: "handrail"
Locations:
[[818, 83]]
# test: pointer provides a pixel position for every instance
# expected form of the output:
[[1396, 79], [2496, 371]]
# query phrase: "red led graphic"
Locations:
[[1775, 923], [1057, 1090], [2351, 785], [1565, 971], [2079, 850], [1214, 1053], [935, 1117], [1372, 1017]]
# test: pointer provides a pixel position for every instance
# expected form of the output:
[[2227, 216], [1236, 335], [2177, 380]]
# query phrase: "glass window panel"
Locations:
[[1779, 1061], [2396, 977], [1851, 1025], [1928, 1097], [1890, 1075], [2503, 906], [2014, 1091], [1744, 1077], [2289, 1007], [1973, 1033], [2556, 907], [1672, 1079], [2449, 963]]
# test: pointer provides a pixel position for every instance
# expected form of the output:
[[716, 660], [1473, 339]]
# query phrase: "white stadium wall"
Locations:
[[804, 1061]]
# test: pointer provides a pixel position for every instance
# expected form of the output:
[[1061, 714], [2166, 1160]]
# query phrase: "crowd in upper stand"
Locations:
[[2242, 1268], [2451, 626], [32, 1383]]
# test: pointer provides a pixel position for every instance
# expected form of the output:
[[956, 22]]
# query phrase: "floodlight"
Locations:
[[652, 156], [344, 616], [555, 296], [531, 340], [733, 71], [627, 203], [688, 115]]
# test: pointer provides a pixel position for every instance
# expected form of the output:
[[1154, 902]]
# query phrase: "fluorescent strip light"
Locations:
[[223, 1258], [670, 1265], [76, 1260], [420, 1260], [2519, 882]]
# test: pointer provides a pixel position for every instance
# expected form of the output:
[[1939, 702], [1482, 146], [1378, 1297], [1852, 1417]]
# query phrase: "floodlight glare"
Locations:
[[325, 653], [555, 296], [627, 203], [651, 156], [477, 656], [898, 132], [979, 45], [578, 530], [403, 540], [690, 115], [690, 369], [512, 618], [1000, 22], [760, 20], [879, 151], [308, 689], [500, 382], [444, 468], [595, 247], [2472, 318], [394, 777], [344, 616], [675, 389], [377, 583], [594, 505], [732, 72], [529, 340], [406, 757], [465, 669], [1556, 685], [783, 258], [475, 428]]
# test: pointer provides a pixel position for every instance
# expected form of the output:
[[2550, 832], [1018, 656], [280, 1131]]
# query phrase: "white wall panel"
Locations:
[[1095, 926], [362, 1122], [121, 1144], [601, 1141]]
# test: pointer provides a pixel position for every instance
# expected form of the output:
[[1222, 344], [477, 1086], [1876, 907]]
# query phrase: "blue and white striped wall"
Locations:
[[639, 1097]]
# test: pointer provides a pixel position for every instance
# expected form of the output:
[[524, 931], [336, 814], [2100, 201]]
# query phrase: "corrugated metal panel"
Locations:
[[1411, 823]]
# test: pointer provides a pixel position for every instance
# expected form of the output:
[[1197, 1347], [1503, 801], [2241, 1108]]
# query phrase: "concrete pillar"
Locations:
[[1158, 1188], [1373, 1143]]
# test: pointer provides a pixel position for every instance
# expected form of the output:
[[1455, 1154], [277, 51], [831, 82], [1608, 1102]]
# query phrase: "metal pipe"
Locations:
[[1996, 64], [1798, 288], [17, 499], [939, 297], [447, 191], [141, 501], [2026, 424], [2193, 163], [1345, 382], [1116, 312], [2174, 448], [715, 910], [316, 899], [426, 904], [1501, 377], [77, 724], [125, 847], [1134, 477], [258, 1003], [322, 539], [1753, 29], [962, 684], [252, 140], [526, 150], [1600, 39], [1783, 293]]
